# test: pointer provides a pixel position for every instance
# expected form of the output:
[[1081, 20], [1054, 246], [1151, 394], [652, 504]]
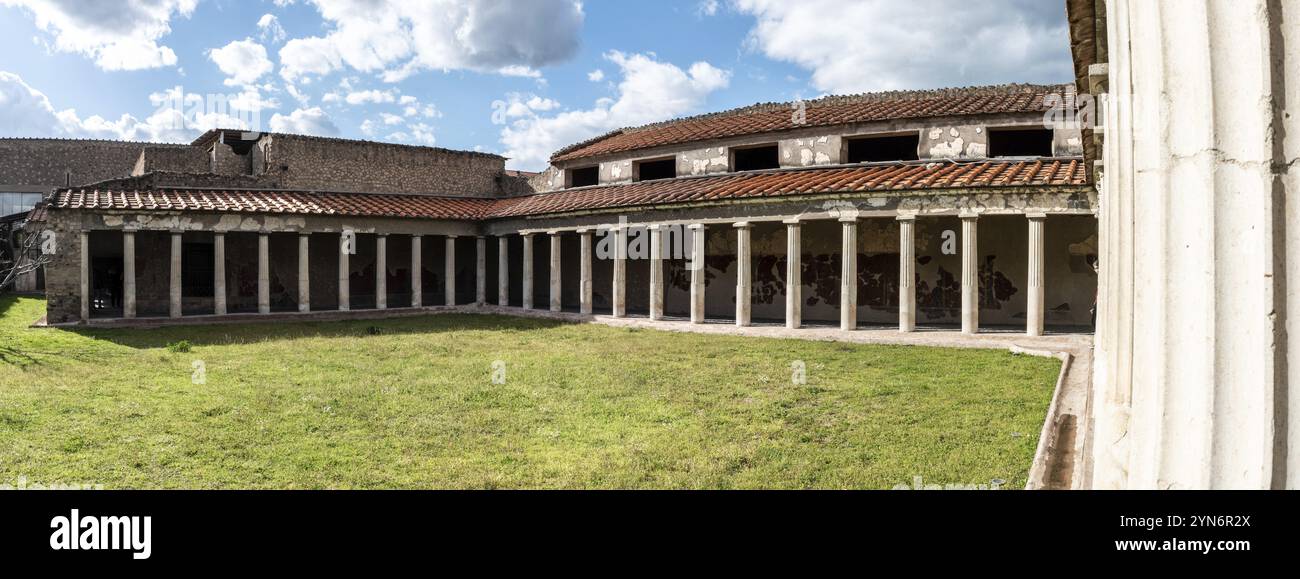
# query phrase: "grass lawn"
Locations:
[[411, 403]]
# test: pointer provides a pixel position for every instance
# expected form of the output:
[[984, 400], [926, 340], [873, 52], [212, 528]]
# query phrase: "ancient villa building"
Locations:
[[956, 208]]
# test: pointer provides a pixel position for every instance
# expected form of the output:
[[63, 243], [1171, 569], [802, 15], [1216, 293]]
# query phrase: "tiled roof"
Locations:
[[828, 111], [831, 180]]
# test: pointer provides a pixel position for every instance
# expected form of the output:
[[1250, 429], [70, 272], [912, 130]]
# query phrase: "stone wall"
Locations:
[[174, 159], [51, 163]]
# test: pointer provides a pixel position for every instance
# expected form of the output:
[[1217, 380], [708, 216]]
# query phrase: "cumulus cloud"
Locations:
[[178, 117], [596, 75], [873, 45], [116, 34], [242, 61], [370, 97], [398, 38], [707, 8], [312, 121], [649, 91], [270, 29]]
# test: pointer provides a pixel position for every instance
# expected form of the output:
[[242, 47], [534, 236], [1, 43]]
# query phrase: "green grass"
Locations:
[[410, 403]]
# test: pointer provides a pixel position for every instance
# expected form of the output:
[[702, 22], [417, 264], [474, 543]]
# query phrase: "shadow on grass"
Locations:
[[250, 333]]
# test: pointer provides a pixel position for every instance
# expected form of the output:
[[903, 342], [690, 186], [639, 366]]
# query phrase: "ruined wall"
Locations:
[[173, 159], [50, 162], [298, 162]]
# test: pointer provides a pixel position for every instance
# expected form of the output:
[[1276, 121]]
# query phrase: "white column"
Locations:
[[793, 275], [656, 272], [219, 273], [528, 271], [556, 303], [345, 274], [480, 270], [263, 274], [381, 271], [906, 273], [744, 275], [585, 285], [1035, 299], [174, 273], [620, 271], [970, 274], [85, 276], [417, 271], [304, 272], [503, 270], [849, 273], [451, 270], [697, 273], [128, 274]]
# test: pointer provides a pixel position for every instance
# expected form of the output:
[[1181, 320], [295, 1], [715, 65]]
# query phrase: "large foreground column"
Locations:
[[128, 274], [381, 271], [744, 275], [556, 298], [1034, 323], [263, 274], [970, 276], [503, 271], [174, 309], [697, 273], [450, 285], [793, 275], [620, 272], [656, 272], [528, 271], [304, 272], [906, 273], [584, 257], [849, 273], [480, 270], [417, 271], [219, 273]]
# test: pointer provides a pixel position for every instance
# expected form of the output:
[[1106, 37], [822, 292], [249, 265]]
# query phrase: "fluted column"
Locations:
[[556, 303], [849, 273], [1034, 323], [450, 273], [793, 275], [620, 271], [347, 246], [744, 273], [503, 271], [584, 258], [381, 271], [906, 273], [304, 272], [480, 270], [697, 272], [970, 274], [656, 272], [417, 271], [128, 274], [263, 273], [219, 273], [85, 276], [528, 271], [174, 309]]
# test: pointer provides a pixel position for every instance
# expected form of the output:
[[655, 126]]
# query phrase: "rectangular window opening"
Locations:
[[584, 177], [755, 158], [655, 170], [1020, 143], [889, 148]]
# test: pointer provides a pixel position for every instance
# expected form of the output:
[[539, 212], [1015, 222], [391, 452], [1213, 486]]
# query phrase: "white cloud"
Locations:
[[271, 30], [312, 121], [874, 45], [416, 134], [707, 8], [370, 97], [242, 61], [118, 35], [178, 117], [398, 38], [596, 75], [649, 91]]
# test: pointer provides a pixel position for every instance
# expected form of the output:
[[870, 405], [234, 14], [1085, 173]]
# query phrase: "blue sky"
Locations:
[[520, 78]]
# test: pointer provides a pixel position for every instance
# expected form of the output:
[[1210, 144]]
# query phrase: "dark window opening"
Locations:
[[1020, 143], [584, 177], [755, 158], [652, 170], [874, 149]]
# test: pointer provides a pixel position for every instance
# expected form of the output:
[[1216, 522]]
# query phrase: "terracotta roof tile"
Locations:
[[846, 179], [829, 111]]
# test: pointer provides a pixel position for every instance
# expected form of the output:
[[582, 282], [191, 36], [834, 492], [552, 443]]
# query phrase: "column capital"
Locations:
[[848, 219], [967, 215], [554, 233], [1036, 216], [176, 231], [480, 237], [583, 231], [526, 234], [742, 225], [452, 236], [795, 221], [304, 234], [381, 235], [695, 226], [906, 217]]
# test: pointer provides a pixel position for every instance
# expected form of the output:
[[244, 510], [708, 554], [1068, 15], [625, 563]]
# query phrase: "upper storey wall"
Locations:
[[44, 164]]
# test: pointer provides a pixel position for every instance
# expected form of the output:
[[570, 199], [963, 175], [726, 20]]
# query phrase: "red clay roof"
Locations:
[[829, 111], [853, 179]]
